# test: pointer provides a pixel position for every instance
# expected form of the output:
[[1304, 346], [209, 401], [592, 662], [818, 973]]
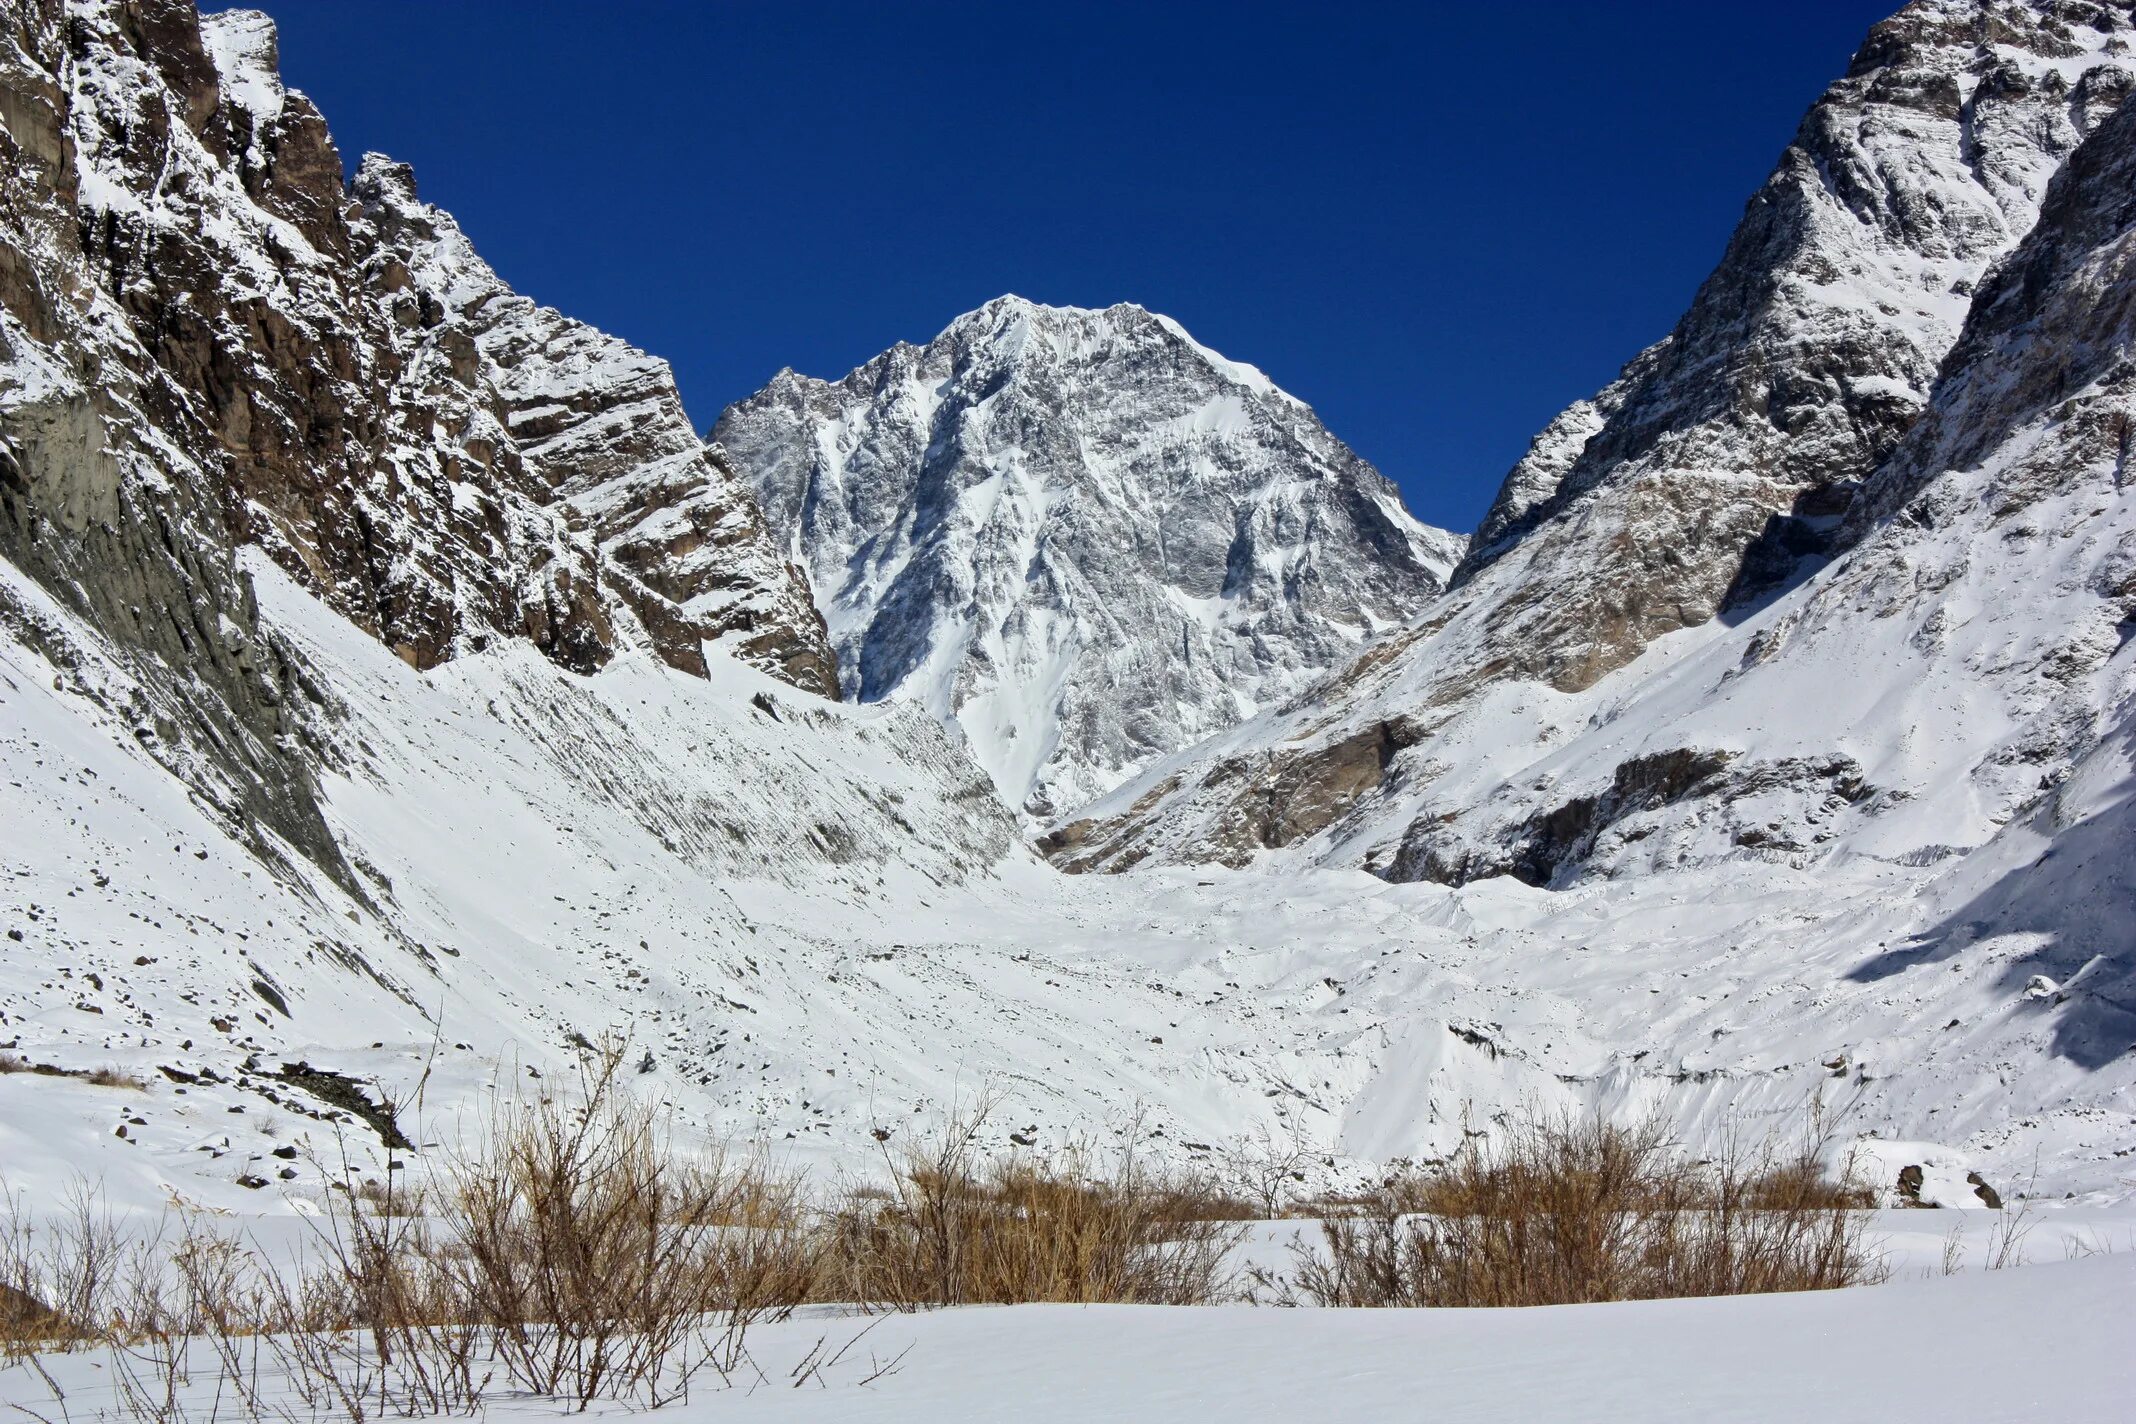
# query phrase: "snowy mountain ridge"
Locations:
[[1081, 535], [1726, 464]]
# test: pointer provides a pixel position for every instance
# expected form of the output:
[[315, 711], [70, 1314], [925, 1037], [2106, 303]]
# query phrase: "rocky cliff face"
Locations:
[[1080, 535], [1946, 711], [1727, 463], [591, 427], [209, 343], [1729, 449]]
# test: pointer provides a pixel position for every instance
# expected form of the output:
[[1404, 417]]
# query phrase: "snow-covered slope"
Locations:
[[819, 924], [1081, 535], [1938, 679]]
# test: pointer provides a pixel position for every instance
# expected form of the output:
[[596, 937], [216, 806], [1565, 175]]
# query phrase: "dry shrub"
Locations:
[[184, 1301], [1800, 1183], [162, 1305], [111, 1076], [1558, 1211], [595, 1254], [66, 1280], [572, 1253], [959, 1227], [108, 1076], [1199, 1198], [1267, 1172], [390, 1197]]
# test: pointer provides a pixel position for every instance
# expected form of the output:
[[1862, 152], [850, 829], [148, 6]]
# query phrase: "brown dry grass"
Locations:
[[957, 1226], [593, 1250], [1562, 1210], [572, 1252], [108, 1076]]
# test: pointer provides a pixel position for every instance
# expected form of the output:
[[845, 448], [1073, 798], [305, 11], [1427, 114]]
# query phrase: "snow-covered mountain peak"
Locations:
[[1020, 328], [1080, 534]]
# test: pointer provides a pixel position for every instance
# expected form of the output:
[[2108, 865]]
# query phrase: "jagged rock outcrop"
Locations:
[[1081, 535], [1730, 449], [210, 344], [117, 491], [575, 418], [1780, 424]]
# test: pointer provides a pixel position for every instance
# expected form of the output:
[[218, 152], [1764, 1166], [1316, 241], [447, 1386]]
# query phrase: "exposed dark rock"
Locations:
[[337, 1090], [1552, 847]]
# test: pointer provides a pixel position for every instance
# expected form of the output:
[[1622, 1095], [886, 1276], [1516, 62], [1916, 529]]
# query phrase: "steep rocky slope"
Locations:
[[1080, 535], [1811, 348], [1724, 466], [209, 343]]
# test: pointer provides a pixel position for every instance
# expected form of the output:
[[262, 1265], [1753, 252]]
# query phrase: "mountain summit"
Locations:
[[1082, 535]]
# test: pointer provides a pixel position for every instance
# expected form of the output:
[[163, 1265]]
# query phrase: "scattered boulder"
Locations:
[[1910, 1178]]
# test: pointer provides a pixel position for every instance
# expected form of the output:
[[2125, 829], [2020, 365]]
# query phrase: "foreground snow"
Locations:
[[2040, 1343]]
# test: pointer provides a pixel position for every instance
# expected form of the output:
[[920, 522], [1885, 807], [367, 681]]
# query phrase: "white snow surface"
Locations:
[[1871, 1355], [820, 923], [2044, 1342]]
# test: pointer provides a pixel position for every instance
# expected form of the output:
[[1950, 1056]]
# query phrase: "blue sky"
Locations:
[[1435, 223]]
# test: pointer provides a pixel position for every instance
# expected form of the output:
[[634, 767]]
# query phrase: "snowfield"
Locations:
[[2044, 1342], [818, 925]]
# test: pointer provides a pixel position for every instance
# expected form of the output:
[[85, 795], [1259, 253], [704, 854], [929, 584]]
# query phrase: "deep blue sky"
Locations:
[[1437, 223]]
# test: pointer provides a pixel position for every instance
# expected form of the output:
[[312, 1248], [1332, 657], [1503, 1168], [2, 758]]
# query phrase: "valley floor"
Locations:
[[822, 936]]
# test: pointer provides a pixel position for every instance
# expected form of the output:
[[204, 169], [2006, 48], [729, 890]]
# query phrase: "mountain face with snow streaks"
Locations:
[[1081, 535], [1759, 439], [1811, 348]]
